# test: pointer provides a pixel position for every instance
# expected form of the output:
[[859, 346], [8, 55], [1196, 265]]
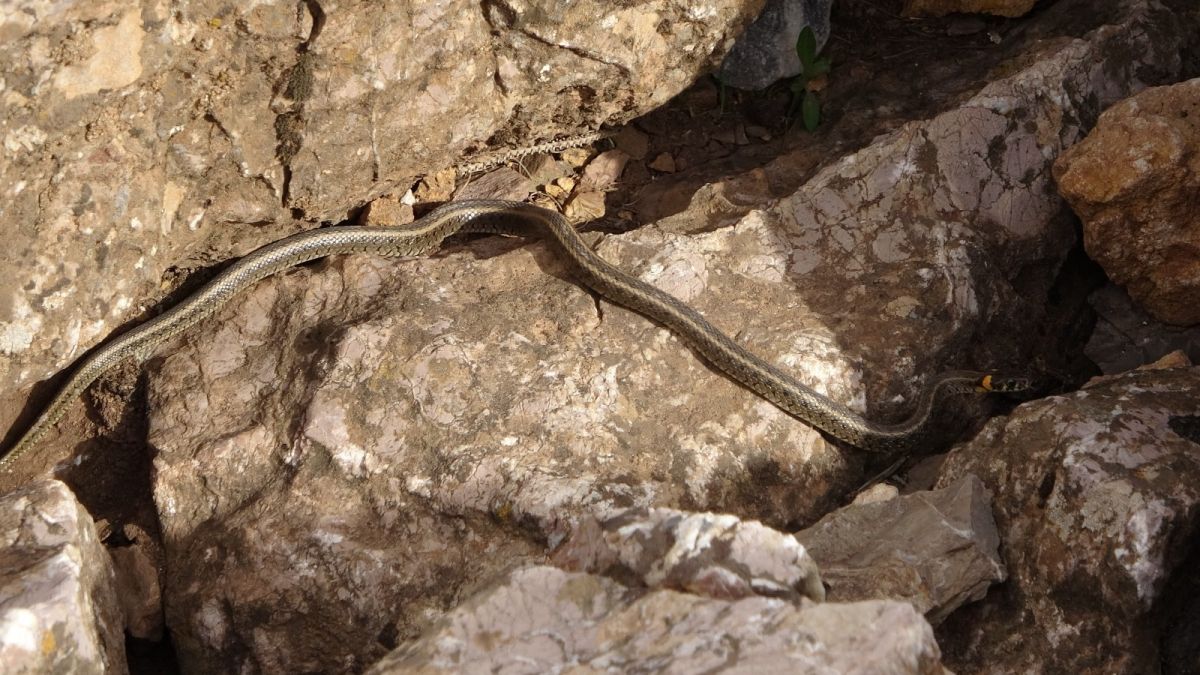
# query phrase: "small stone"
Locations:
[[576, 157], [436, 187], [664, 163], [546, 202], [604, 170], [567, 183], [585, 206], [1176, 359], [386, 210], [759, 132], [879, 492]]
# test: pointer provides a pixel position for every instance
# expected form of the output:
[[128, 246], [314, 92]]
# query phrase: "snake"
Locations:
[[512, 218]]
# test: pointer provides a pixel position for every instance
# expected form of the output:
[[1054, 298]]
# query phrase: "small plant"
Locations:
[[813, 69]]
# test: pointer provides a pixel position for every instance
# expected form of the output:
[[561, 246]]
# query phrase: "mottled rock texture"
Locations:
[[716, 555], [542, 619], [59, 611], [360, 441], [1097, 497], [766, 51], [1135, 181], [936, 550], [142, 137]]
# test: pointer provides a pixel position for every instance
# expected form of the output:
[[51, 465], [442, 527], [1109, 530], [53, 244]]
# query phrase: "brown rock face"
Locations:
[[544, 620], [1134, 181], [1097, 497], [156, 137]]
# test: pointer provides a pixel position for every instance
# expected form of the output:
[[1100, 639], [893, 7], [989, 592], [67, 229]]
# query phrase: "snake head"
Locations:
[[993, 383]]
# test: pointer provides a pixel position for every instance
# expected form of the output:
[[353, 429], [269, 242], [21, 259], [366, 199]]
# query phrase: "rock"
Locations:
[[542, 619], [1133, 181], [59, 610], [604, 170], [1096, 495], [1008, 8], [365, 439], [936, 550], [879, 492], [1126, 337], [387, 210], [766, 52], [664, 162], [502, 183], [138, 589], [436, 187], [707, 554], [585, 206], [148, 138]]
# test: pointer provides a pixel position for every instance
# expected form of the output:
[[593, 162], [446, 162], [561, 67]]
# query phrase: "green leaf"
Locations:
[[810, 110], [799, 85], [806, 47]]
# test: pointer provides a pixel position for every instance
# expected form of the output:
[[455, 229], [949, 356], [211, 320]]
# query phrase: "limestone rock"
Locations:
[[1133, 181], [936, 550], [542, 619], [59, 610], [140, 137], [360, 441], [766, 52], [707, 554], [1096, 496]]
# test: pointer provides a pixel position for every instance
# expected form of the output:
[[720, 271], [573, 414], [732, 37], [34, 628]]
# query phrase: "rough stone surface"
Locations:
[[706, 554], [141, 137], [542, 619], [766, 52], [1097, 498], [139, 591], [937, 550], [360, 441], [59, 611], [1009, 8], [1126, 337], [1133, 181]]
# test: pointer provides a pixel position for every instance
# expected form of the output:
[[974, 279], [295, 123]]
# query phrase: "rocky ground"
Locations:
[[469, 461]]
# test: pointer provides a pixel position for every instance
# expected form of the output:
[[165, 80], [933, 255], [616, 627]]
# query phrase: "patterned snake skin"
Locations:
[[517, 218]]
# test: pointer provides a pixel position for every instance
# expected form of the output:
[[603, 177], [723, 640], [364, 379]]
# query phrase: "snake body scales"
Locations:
[[518, 218]]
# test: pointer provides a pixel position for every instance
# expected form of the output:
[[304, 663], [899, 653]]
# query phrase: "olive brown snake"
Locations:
[[517, 218]]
